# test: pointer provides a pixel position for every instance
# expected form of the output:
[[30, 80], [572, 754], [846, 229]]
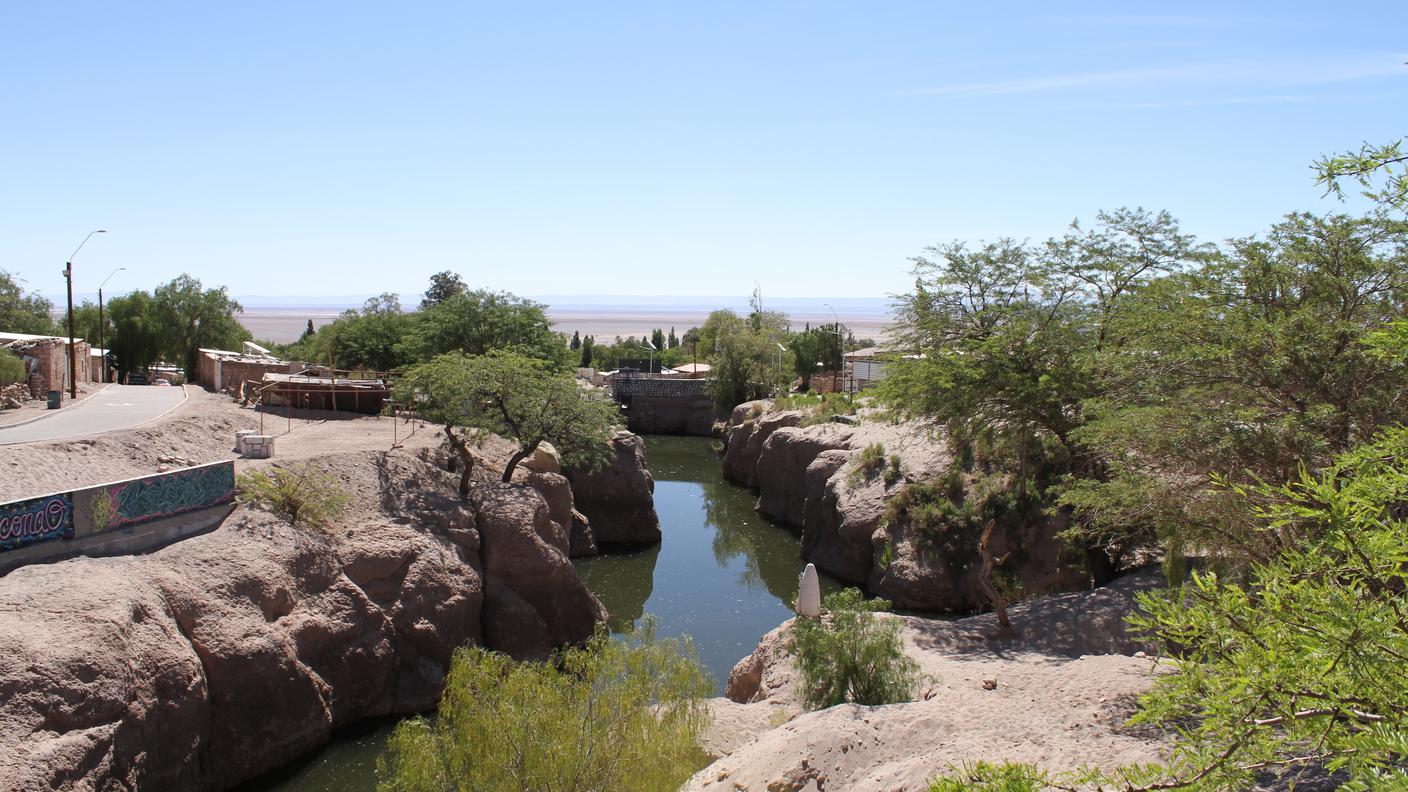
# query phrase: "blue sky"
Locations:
[[654, 148]]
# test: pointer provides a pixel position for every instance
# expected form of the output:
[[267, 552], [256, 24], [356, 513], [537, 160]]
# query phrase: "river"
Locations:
[[721, 574]]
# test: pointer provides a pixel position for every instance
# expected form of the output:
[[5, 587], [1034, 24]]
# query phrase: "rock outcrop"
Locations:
[[807, 477], [223, 656], [1055, 692], [746, 437], [618, 500]]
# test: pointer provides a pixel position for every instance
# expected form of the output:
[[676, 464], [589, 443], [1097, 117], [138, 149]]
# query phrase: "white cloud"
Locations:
[[1262, 73]]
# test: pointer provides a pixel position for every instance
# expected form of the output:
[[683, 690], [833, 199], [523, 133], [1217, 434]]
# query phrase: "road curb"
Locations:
[[52, 413], [185, 396]]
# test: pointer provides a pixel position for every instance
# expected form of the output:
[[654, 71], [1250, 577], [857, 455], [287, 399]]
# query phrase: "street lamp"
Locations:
[[650, 367], [102, 347], [68, 276]]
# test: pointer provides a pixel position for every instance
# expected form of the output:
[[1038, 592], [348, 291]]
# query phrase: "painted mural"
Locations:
[[37, 520], [143, 500], [110, 507]]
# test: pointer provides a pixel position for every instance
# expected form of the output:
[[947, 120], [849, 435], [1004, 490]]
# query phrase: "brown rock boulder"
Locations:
[[619, 499], [225, 655], [583, 542], [514, 531], [744, 443], [557, 494], [781, 469]]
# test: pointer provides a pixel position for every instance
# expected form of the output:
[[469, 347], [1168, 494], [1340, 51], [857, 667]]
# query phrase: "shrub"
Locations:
[[817, 407], [869, 463], [987, 777], [615, 714], [301, 494], [852, 655], [893, 472], [11, 368]]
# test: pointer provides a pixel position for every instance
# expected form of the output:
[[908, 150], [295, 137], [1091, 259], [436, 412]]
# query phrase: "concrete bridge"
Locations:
[[655, 404]]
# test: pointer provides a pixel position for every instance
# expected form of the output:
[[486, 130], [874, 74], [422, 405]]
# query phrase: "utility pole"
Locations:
[[72, 354]]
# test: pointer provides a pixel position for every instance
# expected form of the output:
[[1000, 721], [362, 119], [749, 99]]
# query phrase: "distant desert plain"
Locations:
[[283, 320]]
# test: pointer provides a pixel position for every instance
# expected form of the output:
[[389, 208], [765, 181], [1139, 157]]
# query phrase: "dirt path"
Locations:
[[200, 430]]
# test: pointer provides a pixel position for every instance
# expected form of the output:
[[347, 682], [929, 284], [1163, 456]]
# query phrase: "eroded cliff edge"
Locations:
[[225, 655], [811, 478]]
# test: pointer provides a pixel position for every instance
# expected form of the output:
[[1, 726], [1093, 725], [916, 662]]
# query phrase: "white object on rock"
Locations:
[[809, 593]]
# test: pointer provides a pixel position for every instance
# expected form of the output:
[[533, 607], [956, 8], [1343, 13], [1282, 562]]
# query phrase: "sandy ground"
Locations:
[[1058, 693], [200, 430]]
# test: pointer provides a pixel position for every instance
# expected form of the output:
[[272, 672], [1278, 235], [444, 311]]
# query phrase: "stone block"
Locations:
[[258, 446]]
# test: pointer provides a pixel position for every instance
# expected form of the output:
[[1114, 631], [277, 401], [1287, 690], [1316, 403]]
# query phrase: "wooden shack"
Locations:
[[309, 392]]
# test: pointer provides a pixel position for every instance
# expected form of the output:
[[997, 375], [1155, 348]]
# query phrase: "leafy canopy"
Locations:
[[1302, 663], [188, 317], [521, 398], [21, 312], [1257, 362]]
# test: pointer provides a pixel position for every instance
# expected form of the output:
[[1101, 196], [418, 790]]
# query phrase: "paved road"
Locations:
[[115, 407]]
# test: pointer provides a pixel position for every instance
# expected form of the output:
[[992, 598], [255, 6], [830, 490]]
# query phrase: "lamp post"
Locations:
[[68, 277], [102, 327], [649, 369]]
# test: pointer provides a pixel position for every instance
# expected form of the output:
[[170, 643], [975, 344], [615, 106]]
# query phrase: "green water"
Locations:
[[721, 574]]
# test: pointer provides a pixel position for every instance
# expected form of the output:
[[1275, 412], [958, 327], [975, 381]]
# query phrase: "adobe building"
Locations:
[[46, 360], [222, 370]]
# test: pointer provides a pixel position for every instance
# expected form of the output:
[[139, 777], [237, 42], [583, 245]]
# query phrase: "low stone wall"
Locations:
[[129, 516]]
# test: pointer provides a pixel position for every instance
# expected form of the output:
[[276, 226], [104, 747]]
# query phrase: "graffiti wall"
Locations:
[[36, 520], [129, 503], [114, 507]]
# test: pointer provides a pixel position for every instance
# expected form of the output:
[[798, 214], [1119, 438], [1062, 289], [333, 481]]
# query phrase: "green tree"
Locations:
[[85, 323], [21, 312], [673, 340], [136, 338], [744, 355], [478, 321], [308, 332], [815, 349], [443, 286], [517, 397], [373, 337], [852, 655], [1256, 363], [613, 715], [1364, 166], [189, 318], [576, 343], [1302, 663], [657, 337], [587, 346]]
